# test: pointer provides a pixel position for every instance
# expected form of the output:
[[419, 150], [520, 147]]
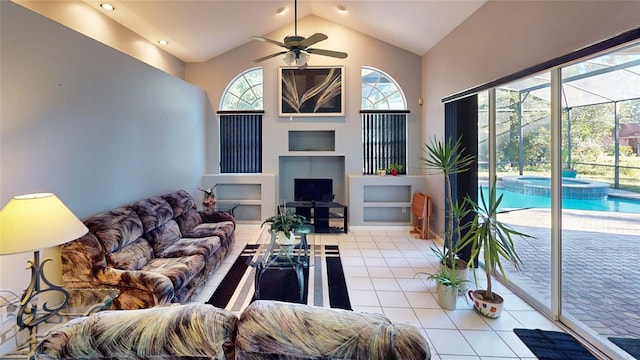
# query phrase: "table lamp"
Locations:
[[30, 223]]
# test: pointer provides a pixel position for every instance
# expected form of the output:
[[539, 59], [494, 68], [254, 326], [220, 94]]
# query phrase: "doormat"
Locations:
[[553, 345], [237, 289], [630, 345]]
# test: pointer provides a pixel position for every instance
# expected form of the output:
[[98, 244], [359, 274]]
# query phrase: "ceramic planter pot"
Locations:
[[487, 309], [283, 240], [463, 274], [447, 296]]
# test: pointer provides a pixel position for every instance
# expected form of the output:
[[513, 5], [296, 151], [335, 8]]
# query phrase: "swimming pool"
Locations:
[[512, 200], [571, 188]]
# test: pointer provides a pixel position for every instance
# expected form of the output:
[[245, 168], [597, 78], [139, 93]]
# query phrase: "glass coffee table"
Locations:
[[271, 255]]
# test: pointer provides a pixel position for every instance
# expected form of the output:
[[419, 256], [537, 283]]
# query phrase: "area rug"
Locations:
[[630, 345], [553, 345], [325, 284]]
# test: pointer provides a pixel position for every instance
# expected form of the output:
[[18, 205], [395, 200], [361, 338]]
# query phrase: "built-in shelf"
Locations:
[[238, 192], [382, 200], [386, 193], [387, 215], [312, 140], [253, 193]]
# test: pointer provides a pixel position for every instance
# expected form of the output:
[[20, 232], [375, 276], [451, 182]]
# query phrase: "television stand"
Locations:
[[326, 216]]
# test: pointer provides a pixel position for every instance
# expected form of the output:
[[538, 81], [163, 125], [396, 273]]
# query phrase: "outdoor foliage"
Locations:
[[588, 144]]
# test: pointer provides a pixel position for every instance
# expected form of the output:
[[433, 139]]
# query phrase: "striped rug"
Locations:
[[325, 283]]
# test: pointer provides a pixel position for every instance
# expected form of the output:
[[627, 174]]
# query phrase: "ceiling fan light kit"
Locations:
[[298, 50], [299, 60]]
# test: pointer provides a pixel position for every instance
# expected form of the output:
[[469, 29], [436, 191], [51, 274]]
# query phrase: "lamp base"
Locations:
[[30, 315]]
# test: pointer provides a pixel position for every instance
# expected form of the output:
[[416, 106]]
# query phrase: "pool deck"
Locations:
[[624, 194], [601, 275]]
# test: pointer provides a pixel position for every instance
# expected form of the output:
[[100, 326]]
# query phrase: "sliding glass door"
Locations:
[[564, 146], [601, 195], [523, 170]]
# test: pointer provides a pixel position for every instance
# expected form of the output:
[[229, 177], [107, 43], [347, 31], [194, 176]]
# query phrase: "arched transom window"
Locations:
[[380, 91], [244, 92]]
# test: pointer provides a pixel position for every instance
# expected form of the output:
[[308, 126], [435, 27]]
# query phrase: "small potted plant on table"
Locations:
[[394, 169], [209, 201], [283, 225]]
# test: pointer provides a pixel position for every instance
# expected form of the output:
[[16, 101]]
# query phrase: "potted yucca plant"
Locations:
[[494, 239], [449, 158]]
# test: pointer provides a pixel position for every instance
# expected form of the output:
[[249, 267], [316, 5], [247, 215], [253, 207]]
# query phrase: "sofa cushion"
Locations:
[[81, 260], [188, 220], [153, 212], [194, 331], [180, 269], [131, 257], [163, 237], [211, 229], [277, 330], [193, 246], [180, 201], [115, 228]]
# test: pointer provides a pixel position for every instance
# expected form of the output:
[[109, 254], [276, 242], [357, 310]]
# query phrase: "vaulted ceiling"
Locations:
[[200, 30]]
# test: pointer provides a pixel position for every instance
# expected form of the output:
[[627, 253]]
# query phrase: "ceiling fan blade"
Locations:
[[269, 57], [260, 38], [331, 53], [317, 37]]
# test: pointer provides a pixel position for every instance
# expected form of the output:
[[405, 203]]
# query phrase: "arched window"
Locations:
[[380, 91], [240, 116], [244, 92], [384, 122]]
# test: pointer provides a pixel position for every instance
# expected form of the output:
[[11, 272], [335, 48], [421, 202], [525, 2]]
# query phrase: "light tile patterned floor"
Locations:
[[380, 268]]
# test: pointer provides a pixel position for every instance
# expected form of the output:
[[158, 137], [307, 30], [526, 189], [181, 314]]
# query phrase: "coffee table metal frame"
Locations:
[[271, 255]]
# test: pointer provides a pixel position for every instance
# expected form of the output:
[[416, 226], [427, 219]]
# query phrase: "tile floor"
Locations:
[[380, 268]]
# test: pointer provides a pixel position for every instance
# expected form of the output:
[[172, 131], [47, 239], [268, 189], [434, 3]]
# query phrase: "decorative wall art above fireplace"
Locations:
[[313, 91]]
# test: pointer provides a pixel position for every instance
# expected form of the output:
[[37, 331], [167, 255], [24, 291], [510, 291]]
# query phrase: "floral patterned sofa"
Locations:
[[265, 330], [154, 251]]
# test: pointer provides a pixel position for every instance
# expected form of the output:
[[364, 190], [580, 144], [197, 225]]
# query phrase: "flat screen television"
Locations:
[[313, 189]]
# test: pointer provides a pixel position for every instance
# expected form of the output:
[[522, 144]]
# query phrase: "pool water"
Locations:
[[512, 200]]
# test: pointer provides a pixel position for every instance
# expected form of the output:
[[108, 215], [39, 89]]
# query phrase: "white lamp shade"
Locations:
[[289, 57], [37, 221], [300, 60]]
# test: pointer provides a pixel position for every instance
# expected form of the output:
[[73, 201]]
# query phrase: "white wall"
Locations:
[[403, 66], [504, 37], [96, 127], [82, 17]]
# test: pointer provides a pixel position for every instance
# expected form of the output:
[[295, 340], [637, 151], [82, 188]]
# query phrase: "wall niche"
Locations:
[[312, 140]]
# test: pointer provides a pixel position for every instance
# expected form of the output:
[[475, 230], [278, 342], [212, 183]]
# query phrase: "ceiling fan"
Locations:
[[298, 46]]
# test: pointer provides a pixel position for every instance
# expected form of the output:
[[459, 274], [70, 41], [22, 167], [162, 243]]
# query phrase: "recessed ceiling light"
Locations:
[[107, 6], [341, 8], [163, 42], [281, 10]]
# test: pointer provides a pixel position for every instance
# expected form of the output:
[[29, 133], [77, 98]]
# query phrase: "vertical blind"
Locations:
[[241, 143], [384, 140]]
